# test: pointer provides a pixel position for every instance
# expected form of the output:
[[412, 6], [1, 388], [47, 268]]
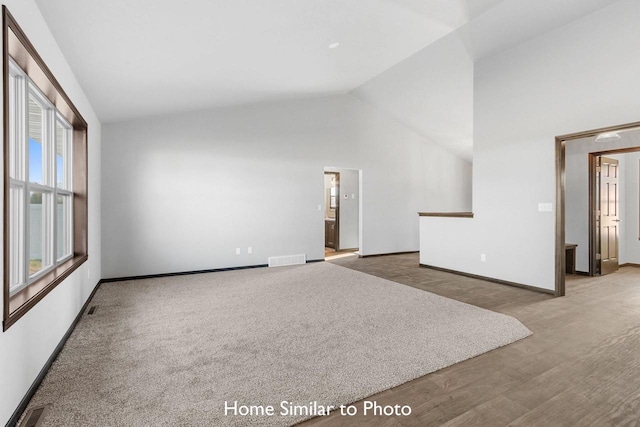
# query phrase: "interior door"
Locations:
[[609, 219]]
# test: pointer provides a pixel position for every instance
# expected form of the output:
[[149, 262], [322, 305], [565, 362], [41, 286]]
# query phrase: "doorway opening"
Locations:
[[331, 212], [588, 241], [341, 212], [613, 208]]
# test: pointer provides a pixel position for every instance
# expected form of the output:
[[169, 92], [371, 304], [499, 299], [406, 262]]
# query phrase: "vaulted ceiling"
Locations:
[[139, 58]]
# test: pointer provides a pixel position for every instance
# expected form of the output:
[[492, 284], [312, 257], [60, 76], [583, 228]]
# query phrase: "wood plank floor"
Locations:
[[581, 367], [329, 252]]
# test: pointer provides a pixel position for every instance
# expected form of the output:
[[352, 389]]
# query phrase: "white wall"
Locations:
[[182, 192], [568, 80], [577, 195], [431, 92], [27, 345], [632, 209], [577, 200], [349, 207]]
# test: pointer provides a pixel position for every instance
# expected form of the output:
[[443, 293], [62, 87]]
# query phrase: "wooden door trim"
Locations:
[[337, 222], [593, 247], [560, 149], [337, 174]]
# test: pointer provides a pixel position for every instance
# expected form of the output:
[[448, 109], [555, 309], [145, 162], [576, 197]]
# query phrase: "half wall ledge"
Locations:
[[448, 214]]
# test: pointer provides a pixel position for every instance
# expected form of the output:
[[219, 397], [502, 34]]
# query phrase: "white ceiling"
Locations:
[[431, 92], [138, 58], [513, 22], [146, 57]]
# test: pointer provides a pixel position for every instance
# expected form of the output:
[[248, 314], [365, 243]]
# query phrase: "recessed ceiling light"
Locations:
[[334, 45], [608, 137]]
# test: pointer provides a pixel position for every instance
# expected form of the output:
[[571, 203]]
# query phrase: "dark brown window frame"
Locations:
[[16, 45]]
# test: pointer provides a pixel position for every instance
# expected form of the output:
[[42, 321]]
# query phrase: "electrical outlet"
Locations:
[[237, 251], [483, 257], [545, 207], [249, 250]]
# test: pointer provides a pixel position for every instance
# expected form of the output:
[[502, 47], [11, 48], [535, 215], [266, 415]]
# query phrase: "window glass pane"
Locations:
[[16, 144], [16, 237], [63, 226], [12, 128], [36, 148], [61, 156], [36, 232], [40, 216]]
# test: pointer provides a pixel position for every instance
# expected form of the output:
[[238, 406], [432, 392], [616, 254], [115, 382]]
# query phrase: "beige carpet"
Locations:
[[171, 351]]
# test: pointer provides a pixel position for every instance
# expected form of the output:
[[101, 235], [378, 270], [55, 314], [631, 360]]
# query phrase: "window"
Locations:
[[41, 191], [45, 178]]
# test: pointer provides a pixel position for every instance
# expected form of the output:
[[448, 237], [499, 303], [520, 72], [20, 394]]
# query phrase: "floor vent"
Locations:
[[92, 309], [279, 261], [34, 417]]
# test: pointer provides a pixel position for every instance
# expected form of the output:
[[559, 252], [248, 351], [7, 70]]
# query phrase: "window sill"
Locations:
[[20, 303]]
